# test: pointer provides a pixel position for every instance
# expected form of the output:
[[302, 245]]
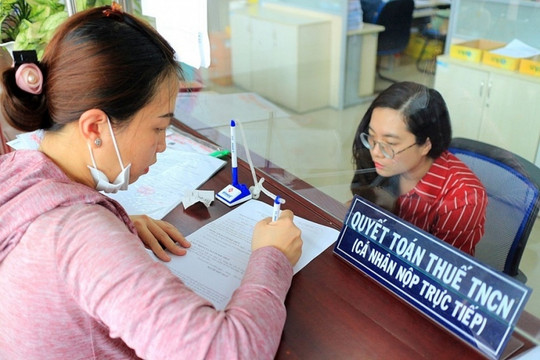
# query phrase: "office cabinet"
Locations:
[[495, 106], [282, 56]]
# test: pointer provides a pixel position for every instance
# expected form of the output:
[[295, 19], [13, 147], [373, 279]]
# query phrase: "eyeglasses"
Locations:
[[389, 153]]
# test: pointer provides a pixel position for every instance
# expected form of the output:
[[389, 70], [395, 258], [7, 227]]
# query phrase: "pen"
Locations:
[[234, 161], [277, 207]]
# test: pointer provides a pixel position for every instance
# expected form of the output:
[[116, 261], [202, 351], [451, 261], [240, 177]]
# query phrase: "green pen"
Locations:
[[220, 153]]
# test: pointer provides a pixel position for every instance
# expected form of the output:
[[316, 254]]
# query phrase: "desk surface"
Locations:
[[366, 28], [427, 8], [420, 4], [337, 312]]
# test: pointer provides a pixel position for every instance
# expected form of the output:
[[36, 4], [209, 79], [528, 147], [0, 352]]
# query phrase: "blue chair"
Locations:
[[396, 17], [512, 185]]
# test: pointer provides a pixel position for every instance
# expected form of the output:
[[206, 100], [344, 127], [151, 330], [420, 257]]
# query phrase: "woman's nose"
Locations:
[[376, 150], [162, 145]]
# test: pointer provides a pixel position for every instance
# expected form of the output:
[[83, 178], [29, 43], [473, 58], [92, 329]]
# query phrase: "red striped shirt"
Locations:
[[448, 202]]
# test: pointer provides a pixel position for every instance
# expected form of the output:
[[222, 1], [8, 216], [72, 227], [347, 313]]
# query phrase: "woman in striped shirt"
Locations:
[[403, 164]]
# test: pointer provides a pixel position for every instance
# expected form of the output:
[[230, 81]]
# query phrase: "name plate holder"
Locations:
[[473, 301]]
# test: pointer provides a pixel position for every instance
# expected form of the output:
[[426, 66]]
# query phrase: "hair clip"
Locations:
[[29, 78], [114, 11], [24, 56], [28, 75]]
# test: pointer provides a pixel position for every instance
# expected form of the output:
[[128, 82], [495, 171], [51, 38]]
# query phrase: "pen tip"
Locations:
[[276, 200], [233, 123]]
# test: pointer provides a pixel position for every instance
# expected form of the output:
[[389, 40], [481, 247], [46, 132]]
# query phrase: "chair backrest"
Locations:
[[396, 17], [512, 186]]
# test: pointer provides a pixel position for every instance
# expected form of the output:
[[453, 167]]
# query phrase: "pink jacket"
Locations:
[[76, 282]]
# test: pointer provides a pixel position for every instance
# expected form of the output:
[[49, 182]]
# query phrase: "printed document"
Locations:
[[162, 189], [217, 259]]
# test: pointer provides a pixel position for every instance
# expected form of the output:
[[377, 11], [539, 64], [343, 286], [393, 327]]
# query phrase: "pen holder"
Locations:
[[234, 194]]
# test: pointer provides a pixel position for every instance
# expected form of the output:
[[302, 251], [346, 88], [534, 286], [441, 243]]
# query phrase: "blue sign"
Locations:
[[478, 304]]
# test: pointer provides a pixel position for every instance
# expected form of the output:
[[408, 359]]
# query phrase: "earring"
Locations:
[[97, 142]]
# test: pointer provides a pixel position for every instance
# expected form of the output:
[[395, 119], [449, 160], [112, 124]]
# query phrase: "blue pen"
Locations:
[[277, 208], [234, 160]]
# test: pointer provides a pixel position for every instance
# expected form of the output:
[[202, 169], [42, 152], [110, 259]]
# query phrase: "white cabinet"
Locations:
[[282, 56], [495, 106]]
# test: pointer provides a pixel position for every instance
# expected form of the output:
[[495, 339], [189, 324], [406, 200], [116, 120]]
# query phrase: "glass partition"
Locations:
[[289, 144], [496, 20]]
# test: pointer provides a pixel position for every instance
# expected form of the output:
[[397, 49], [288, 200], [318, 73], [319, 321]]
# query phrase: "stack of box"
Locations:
[[416, 42], [530, 66], [481, 51]]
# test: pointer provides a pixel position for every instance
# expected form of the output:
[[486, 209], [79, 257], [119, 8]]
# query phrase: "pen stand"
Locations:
[[234, 194]]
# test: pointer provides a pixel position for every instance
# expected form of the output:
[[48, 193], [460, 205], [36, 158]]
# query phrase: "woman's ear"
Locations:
[[426, 148], [91, 124]]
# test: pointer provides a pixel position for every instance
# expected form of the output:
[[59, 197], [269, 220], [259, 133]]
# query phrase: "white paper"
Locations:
[[217, 259], [162, 189], [516, 49], [194, 196]]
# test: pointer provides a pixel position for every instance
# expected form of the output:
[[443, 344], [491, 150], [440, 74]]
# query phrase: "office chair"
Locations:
[[512, 186], [396, 17]]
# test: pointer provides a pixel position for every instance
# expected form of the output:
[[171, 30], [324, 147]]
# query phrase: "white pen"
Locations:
[[277, 207]]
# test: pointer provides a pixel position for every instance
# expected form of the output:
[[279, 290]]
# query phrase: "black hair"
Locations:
[[425, 114]]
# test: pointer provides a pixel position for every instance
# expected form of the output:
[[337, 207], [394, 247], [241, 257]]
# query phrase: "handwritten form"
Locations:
[[216, 261], [163, 188]]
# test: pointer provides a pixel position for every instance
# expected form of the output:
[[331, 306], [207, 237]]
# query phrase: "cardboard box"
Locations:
[[500, 61], [530, 66], [473, 50], [416, 42]]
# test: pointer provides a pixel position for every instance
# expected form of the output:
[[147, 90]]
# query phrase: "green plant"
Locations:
[[13, 12], [30, 23]]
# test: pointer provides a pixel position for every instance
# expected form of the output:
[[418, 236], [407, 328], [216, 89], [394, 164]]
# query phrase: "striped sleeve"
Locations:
[[449, 202], [461, 218]]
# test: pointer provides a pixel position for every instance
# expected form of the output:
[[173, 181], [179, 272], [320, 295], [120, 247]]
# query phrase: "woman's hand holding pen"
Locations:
[[281, 234], [157, 234]]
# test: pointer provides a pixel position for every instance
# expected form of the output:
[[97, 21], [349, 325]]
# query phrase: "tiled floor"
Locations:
[[316, 147]]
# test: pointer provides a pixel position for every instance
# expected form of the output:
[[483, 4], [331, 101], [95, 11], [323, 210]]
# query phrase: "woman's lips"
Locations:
[[148, 168], [378, 166]]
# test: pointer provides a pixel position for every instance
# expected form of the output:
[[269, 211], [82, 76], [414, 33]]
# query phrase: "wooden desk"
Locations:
[[335, 311]]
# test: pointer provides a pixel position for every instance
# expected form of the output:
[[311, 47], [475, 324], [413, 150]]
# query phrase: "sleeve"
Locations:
[[115, 281], [461, 218]]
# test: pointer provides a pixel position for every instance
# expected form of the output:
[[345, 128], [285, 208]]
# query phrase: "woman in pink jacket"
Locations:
[[75, 278]]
